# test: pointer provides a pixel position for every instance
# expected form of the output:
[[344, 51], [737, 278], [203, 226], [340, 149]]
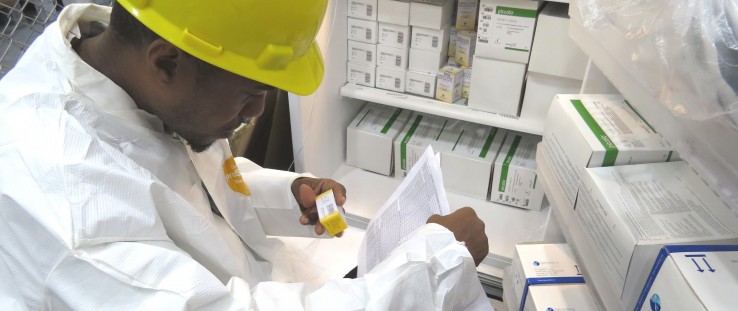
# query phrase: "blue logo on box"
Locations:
[[536, 263], [655, 302], [549, 309]]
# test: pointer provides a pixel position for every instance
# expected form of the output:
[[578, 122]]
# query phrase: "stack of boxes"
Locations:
[[362, 42], [430, 22], [393, 43]]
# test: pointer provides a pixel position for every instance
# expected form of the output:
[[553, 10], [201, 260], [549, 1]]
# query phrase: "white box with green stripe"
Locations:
[[505, 30], [370, 137], [422, 130], [467, 166], [514, 179], [594, 131]]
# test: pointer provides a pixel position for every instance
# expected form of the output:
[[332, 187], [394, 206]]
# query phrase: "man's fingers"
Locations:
[[319, 230], [307, 197]]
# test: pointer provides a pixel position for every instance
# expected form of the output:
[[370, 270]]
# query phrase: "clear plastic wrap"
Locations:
[[683, 55]]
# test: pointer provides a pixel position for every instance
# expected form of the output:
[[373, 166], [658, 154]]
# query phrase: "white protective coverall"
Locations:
[[101, 209]]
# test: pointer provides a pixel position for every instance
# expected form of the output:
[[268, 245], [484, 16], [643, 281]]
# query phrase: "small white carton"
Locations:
[[467, 166], [433, 14], [496, 86], [370, 137], [420, 83], [466, 83], [448, 84], [363, 9], [392, 57], [394, 12], [692, 277], [465, 44], [362, 53], [540, 90], [421, 131], [505, 30], [542, 264], [629, 212], [569, 297], [514, 180], [394, 35], [390, 79], [554, 52], [361, 74], [466, 14], [362, 30], [425, 60], [430, 39], [597, 130]]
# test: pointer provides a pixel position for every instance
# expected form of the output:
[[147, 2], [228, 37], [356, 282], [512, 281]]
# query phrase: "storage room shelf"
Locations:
[[591, 266], [505, 226], [454, 111]]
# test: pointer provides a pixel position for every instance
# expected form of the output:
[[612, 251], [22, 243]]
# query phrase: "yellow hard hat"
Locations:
[[270, 41]]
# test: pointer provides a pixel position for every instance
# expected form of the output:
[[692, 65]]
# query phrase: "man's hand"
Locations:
[[467, 228], [306, 189]]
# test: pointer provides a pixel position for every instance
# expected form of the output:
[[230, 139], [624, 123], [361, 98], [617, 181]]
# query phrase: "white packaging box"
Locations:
[[392, 57], [541, 263], [362, 30], [389, 79], [426, 61], [597, 130], [362, 53], [514, 180], [505, 30], [420, 131], [466, 42], [466, 83], [394, 12], [569, 297], [433, 14], [420, 83], [496, 85], [693, 277], [448, 84], [466, 14], [361, 74], [540, 90], [370, 137], [430, 39], [629, 212], [363, 9], [554, 52], [394, 35], [467, 166], [451, 42]]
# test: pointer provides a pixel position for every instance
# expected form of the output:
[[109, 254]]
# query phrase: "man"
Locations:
[[118, 190]]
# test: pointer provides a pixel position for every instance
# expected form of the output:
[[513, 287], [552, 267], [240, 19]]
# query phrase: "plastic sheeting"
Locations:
[[684, 54]]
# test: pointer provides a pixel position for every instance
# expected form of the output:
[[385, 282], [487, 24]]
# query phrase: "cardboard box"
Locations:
[[466, 42], [694, 277], [569, 297], [554, 52], [430, 39], [597, 130], [391, 57], [466, 83], [362, 53], [540, 90], [370, 137], [362, 30], [452, 42], [420, 131], [363, 9], [432, 14], [394, 35], [420, 83], [537, 264], [466, 14], [448, 84], [361, 74], [505, 30], [425, 60], [496, 86], [467, 166], [389, 79], [394, 12], [514, 180], [629, 212]]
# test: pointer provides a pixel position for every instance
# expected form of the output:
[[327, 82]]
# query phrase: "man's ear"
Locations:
[[164, 60]]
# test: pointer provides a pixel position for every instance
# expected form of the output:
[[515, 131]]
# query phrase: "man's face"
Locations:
[[211, 105]]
